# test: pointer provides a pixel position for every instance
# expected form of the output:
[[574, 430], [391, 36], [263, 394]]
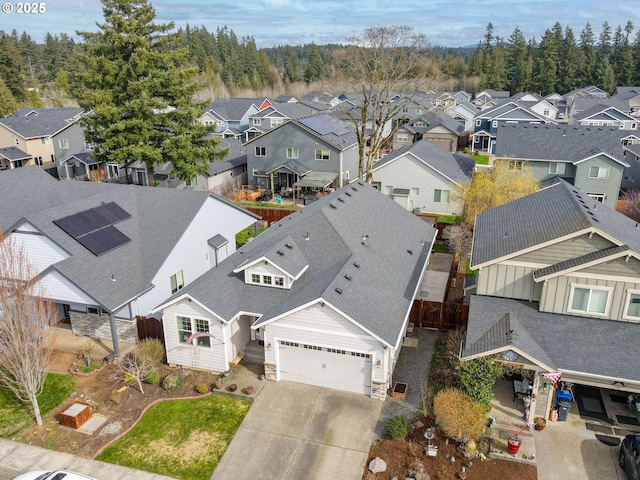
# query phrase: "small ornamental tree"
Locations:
[[459, 417], [132, 370]]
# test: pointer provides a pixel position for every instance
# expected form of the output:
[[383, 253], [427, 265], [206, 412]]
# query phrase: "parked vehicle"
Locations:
[[57, 475], [630, 456]]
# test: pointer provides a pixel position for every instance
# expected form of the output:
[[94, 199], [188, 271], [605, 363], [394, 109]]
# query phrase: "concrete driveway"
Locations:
[[295, 431]]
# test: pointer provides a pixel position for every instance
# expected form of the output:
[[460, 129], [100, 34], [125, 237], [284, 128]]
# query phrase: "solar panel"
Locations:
[[103, 240], [93, 228]]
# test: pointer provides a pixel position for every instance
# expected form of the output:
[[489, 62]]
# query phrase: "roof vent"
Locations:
[[341, 200], [348, 194], [354, 189], [332, 205], [288, 245], [307, 237], [280, 252], [506, 234], [338, 290], [347, 276], [410, 252], [356, 264], [364, 238]]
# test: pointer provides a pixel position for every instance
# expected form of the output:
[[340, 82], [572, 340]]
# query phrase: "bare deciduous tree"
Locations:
[[383, 66], [25, 316], [132, 369]]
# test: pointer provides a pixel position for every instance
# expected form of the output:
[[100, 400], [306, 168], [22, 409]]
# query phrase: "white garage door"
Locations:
[[325, 367]]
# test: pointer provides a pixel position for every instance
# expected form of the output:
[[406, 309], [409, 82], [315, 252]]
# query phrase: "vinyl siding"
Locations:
[[323, 326], [540, 170], [408, 172], [214, 358], [60, 289], [607, 186], [618, 267], [41, 251]]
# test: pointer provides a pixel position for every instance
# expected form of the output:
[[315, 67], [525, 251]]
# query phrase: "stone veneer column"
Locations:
[[379, 391], [270, 371]]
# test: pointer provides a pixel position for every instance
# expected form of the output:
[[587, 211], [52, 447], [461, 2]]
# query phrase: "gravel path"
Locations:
[[412, 368]]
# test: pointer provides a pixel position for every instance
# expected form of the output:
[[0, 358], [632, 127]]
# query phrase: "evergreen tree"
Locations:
[[292, 71], [621, 57], [315, 68], [604, 76], [517, 56], [8, 104], [12, 66], [587, 41], [636, 60], [140, 94], [571, 55], [546, 74]]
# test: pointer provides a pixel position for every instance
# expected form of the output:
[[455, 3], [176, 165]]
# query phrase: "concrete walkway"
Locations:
[[295, 431], [16, 458]]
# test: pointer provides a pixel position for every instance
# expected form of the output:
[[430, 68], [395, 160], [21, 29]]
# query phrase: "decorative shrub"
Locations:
[[153, 378], [458, 416], [478, 377], [151, 350], [398, 427], [130, 379], [202, 388], [172, 382]]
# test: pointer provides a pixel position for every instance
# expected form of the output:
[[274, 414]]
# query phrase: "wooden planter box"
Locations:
[[400, 390], [75, 415]]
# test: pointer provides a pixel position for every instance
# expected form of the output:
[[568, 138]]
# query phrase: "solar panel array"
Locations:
[[325, 124], [93, 228]]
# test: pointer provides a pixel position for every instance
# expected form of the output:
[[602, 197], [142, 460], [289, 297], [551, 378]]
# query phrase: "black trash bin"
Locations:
[[563, 410]]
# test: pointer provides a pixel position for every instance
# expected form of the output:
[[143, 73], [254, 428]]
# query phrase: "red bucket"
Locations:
[[513, 446]]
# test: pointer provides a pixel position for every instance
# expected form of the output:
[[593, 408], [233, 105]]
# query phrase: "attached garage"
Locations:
[[325, 367]]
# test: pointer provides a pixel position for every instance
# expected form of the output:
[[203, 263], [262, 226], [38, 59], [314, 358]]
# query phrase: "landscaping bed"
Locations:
[[100, 391]]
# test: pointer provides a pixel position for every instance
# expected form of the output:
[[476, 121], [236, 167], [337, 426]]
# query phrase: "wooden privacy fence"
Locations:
[[149, 327], [272, 214], [442, 316]]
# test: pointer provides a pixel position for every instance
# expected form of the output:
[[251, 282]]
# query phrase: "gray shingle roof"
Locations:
[[538, 218], [603, 112], [40, 122], [358, 262], [32, 194], [13, 153], [457, 168], [331, 129], [558, 142], [233, 109], [589, 345]]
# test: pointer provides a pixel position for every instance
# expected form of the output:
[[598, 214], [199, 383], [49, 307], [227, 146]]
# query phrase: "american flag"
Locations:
[[553, 377]]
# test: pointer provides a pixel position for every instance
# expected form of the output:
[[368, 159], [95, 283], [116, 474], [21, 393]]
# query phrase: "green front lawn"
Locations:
[[183, 438], [15, 415], [481, 159]]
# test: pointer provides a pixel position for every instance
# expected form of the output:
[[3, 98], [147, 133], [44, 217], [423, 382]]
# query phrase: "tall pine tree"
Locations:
[[141, 94]]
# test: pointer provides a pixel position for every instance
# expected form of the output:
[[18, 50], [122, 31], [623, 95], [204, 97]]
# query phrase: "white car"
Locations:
[[57, 475]]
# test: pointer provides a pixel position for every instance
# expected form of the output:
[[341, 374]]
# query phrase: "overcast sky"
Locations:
[[281, 22]]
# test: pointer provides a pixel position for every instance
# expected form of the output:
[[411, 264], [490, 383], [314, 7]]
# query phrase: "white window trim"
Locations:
[[249, 279], [403, 137], [441, 190], [179, 285], [292, 152], [63, 143], [256, 122], [192, 320], [598, 177], [557, 164], [626, 304], [322, 150], [584, 286], [261, 151]]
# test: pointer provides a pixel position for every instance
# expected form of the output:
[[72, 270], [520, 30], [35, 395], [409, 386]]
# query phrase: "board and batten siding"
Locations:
[[566, 250], [508, 281], [556, 293], [214, 358], [323, 327], [408, 172]]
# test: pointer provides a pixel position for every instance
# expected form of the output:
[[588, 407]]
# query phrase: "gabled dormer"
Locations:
[[279, 267]]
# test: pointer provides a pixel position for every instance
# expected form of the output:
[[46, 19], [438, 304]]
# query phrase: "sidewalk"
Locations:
[[17, 458]]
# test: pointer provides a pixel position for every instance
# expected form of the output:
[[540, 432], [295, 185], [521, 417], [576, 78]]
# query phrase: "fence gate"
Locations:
[[438, 315], [149, 327]]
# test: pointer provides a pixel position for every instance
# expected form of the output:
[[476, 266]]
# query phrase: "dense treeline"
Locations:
[[559, 62]]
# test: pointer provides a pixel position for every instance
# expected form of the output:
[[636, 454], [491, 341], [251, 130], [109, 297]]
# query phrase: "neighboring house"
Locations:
[[272, 116], [605, 116], [231, 115], [590, 91], [537, 104], [424, 177], [320, 101], [326, 292], [441, 101], [83, 166], [461, 96], [13, 157], [222, 177], [107, 253], [48, 135], [487, 122], [590, 158], [437, 128], [465, 113], [490, 98], [277, 159], [557, 289]]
